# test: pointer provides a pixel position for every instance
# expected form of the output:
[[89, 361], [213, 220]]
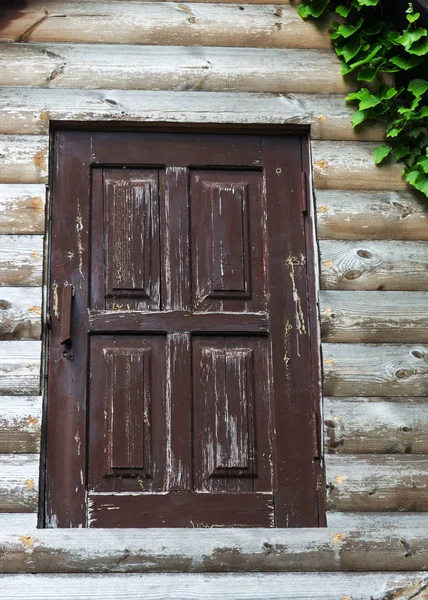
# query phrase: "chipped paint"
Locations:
[[322, 164], [322, 209], [80, 249], [292, 262], [27, 540], [78, 443], [340, 479], [339, 537], [30, 484], [32, 421], [55, 304]]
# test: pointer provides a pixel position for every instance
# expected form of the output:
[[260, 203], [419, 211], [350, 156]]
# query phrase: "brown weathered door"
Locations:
[[180, 384]]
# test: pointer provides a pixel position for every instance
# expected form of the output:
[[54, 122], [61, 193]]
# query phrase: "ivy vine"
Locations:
[[371, 49]]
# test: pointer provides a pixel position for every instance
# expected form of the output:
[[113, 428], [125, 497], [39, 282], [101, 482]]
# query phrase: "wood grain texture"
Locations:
[[19, 478], [164, 23], [214, 550], [18, 522], [376, 425], [20, 424], [20, 313], [20, 368], [22, 208], [21, 260], [376, 586], [374, 265], [23, 159], [128, 67], [379, 317], [379, 521], [371, 215], [377, 483], [375, 370], [350, 166], [29, 110]]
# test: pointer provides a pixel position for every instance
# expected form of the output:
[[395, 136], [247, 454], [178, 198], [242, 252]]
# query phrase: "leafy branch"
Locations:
[[371, 49]]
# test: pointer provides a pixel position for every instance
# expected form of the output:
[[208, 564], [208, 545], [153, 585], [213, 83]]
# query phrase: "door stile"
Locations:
[[67, 386], [295, 495]]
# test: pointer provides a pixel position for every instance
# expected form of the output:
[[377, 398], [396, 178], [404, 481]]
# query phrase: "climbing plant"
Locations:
[[390, 67]]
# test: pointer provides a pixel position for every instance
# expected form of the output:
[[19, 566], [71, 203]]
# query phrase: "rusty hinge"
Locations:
[[304, 193], [316, 450]]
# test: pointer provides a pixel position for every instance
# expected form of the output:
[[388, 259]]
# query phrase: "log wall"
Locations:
[[248, 64]]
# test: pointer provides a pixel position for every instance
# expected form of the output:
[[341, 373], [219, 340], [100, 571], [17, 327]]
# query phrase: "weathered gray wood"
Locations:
[[371, 215], [375, 425], [213, 550], [20, 424], [19, 479], [375, 370], [164, 23], [23, 159], [20, 368], [29, 110], [374, 265], [21, 260], [372, 482], [20, 313], [18, 522], [374, 317], [22, 207], [350, 166], [171, 68], [287, 586], [392, 522]]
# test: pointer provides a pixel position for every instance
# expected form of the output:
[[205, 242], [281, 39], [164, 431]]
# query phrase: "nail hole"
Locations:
[[364, 254], [4, 304], [351, 275], [417, 354]]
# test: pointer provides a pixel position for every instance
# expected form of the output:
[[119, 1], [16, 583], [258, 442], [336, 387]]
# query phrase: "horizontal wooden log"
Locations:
[[20, 424], [213, 550], [101, 66], [287, 586], [21, 260], [374, 265], [29, 110], [20, 368], [19, 480], [370, 483], [371, 215], [22, 208], [375, 425], [18, 522], [350, 166], [20, 313], [163, 23], [377, 521], [379, 317], [23, 159], [375, 370]]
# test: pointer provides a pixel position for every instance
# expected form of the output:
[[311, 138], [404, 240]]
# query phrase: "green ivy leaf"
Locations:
[[348, 30], [358, 117], [410, 37], [423, 164], [343, 10], [418, 87], [367, 74], [406, 63], [315, 9], [381, 153], [412, 17]]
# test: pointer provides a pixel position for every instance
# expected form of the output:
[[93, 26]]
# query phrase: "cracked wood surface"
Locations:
[[370, 483], [20, 313], [19, 480], [288, 586], [375, 317], [164, 23], [20, 368], [20, 424], [21, 260], [24, 159], [376, 425], [22, 208], [358, 215]]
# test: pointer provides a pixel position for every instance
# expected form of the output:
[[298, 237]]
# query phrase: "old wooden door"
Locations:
[[180, 358]]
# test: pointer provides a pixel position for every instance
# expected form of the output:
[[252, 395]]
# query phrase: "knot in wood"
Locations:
[[353, 274]]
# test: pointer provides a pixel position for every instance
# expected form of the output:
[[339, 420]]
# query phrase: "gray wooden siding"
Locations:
[[247, 64]]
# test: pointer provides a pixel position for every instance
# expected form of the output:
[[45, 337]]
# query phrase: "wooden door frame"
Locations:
[[307, 208]]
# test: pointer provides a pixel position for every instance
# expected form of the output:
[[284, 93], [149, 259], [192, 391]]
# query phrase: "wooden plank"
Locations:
[[23, 159], [332, 586], [124, 67], [371, 215], [356, 317], [383, 521], [376, 425], [21, 260], [20, 424], [350, 166], [18, 522], [19, 479], [22, 208], [20, 313], [20, 368], [377, 483], [221, 550], [374, 265], [375, 370], [164, 23], [29, 110]]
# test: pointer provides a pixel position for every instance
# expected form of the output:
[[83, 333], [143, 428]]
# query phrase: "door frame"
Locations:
[[307, 208]]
